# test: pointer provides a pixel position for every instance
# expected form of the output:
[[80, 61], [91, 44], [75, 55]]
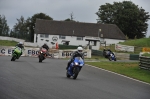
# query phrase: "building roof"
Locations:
[[69, 28]]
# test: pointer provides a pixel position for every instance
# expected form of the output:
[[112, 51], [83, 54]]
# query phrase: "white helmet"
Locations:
[[20, 43], [80, 49]]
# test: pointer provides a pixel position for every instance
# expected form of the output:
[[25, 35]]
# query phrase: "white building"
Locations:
[[76, 33]]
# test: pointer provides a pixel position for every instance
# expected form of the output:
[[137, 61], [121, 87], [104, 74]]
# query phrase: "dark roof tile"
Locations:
[[69, 28]]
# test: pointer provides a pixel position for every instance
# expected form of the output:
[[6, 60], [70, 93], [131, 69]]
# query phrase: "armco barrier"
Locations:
[[97, 53], [134, 56], [122, 56], [144, 62]]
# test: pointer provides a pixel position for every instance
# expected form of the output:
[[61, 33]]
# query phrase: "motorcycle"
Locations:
[[16, 53], [42, 54], [110, 55], [75, 67]]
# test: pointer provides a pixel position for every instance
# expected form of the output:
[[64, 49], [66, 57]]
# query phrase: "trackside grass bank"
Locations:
[[7, 43], [130, 69]]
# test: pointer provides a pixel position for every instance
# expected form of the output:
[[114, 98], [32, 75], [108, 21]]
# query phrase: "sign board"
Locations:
[[34, 52], [146, 49], [119, 47]]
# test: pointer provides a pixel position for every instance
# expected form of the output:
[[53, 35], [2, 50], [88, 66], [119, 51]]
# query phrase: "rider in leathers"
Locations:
[[20, 44], [46, 47], [77, 53]]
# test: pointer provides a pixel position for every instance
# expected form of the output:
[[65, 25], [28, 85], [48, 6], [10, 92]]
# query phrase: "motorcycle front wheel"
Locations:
[[13, 58], [67, 74], [110, 58], [75, 72], [40, 58]]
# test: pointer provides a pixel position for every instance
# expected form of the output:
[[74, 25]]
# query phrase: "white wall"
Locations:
[[11, 39], [73, 41], [113, 41], [31, 44]]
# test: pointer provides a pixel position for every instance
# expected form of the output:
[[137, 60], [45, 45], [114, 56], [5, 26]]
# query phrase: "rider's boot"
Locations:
[[67, 66]]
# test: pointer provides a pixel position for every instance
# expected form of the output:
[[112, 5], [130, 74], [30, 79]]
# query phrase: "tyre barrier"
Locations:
[[144, 62]]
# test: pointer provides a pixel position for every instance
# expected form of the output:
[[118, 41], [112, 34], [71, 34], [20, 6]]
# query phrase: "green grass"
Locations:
[[143, 42], [130, 69], [7, 43], [97, 58], [138, 43], [146, 54]]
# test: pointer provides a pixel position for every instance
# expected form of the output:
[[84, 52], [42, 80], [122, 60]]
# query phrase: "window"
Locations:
[[94, 43], [62, 37], [79, 38], [44, 35]]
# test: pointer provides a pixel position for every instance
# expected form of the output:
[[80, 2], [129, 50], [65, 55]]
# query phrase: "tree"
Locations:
[[67, 19], [24, 29], [19, 29], [71, 18], [130, 18], [4, 28], [33, 20]]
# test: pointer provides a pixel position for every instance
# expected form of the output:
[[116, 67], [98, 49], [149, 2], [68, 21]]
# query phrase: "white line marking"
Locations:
[[118, 74]]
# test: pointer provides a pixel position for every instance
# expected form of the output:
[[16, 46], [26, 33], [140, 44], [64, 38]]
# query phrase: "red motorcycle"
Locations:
[[42, 54]]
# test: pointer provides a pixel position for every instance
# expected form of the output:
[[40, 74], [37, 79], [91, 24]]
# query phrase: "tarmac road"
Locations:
[[26, 78]]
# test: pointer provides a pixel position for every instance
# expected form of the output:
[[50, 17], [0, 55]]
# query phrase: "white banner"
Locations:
[[119, 47], [5, 50]]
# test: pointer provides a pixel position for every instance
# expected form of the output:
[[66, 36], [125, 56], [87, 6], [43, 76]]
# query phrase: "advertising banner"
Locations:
[[119, 47], [146, 49], [29, 51]]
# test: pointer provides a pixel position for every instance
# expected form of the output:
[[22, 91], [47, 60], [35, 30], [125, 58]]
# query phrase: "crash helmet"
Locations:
[[80, 49], [109, 50], [20, 43]]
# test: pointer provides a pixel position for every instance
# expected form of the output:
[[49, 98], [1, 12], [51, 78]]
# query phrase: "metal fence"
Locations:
[[97, 53], [67, 47], [144, 62]]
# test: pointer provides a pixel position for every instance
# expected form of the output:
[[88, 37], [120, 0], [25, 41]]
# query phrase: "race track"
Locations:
[[26, 78]]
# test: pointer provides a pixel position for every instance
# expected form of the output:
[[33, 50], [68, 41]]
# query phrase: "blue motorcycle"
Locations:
[[75, 67], [112, 57], [109, 55]]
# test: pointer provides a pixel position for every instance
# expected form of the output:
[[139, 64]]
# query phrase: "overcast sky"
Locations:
[[83, 10]]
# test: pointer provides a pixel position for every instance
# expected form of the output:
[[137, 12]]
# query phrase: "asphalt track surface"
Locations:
[[26, 78]]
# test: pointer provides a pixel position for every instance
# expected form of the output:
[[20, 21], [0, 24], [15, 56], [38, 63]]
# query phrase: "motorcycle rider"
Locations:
[[110, 52], [20, 44], [46, 47], [104, 52], [77, 53]]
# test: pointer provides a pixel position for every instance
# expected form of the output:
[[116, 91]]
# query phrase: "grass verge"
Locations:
[[130, 69], [8, 43]]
